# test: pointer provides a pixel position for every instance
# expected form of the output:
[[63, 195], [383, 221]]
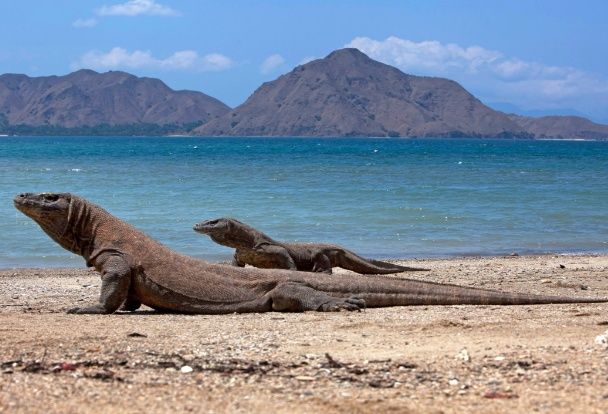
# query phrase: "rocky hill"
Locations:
[[562, 127], [88, 98], [349, 94]]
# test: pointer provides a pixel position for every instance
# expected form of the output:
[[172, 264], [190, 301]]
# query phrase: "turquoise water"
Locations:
[[379, 197]]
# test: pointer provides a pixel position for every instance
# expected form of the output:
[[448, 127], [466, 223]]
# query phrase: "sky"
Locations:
[[525, 56]]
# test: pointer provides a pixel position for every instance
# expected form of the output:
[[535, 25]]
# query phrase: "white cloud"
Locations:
[[216, 61], [425, 55], [137, 7], [119, 58], [489, 73], [271, 63], [84, 23]]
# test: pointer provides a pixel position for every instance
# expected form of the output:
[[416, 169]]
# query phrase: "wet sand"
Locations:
[[430, 359]]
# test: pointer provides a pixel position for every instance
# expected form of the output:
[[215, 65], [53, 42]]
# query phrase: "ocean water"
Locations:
[[382, 198]]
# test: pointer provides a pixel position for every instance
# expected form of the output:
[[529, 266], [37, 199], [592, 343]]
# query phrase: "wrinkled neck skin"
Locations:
[[78, 232]]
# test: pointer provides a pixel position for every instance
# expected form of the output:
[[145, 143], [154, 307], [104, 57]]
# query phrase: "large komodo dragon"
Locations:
[[137, 270], [257, 249]]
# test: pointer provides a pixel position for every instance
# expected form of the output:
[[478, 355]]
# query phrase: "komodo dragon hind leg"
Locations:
[[275, 256], [296, 297]]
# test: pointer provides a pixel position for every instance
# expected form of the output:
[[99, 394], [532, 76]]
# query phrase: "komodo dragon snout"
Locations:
[[42, 204], [212, 226]]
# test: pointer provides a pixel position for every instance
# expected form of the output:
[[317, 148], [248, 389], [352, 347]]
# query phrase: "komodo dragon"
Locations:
[[137, 270], [257, 249]]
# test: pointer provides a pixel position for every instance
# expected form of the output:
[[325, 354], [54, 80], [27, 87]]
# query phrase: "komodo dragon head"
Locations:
[[62, 216], [228, 232]]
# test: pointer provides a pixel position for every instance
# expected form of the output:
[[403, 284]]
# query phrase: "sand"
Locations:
[[432, 359]]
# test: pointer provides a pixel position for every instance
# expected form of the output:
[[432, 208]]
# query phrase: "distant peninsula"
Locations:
[[90, 103], [345, 94]]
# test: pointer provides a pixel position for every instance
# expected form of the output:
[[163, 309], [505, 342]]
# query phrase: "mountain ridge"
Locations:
[[344, 94], [88, 98], [348, 94]]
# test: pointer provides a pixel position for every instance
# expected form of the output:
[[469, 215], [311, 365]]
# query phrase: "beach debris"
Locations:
[[305, 378], [497, 394], [382, 383], [104, 375], [137, 335], [602, 340], [186, 369], [33, 366], [563, 284], [561, 266], [332, 363], [64, 366], [463, 355]]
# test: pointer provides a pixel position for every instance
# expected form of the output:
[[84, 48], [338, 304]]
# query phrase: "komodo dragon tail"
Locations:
[[383, 291], [351, 261]]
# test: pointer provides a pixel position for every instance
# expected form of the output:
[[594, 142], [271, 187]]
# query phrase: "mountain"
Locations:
[[88, 98], [349, 94], [510, 108], [343, 94], [562, 127]]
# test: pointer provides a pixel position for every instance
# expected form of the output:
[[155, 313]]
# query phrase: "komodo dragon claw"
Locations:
[[348, 304]]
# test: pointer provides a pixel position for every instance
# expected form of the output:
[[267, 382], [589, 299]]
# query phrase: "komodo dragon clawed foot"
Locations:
[[340, 304], [93, 310], [298, 297]]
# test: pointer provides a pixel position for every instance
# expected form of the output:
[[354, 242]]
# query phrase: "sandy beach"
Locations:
[[432, 359]]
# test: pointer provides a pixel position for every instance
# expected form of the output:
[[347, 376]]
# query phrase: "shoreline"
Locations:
[[397, 260], [306, 137], [453, 359]]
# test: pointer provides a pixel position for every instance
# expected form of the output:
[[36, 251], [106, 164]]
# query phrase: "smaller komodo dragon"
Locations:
[[136, 270], [257, 249]]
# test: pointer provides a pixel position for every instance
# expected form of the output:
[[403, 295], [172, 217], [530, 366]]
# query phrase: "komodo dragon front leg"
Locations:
[[321, 264], [131, 304], [298, 297], [115, 281]]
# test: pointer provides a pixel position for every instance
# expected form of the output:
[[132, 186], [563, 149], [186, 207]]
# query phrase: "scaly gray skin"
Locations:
[[257, 249], [137, 270]]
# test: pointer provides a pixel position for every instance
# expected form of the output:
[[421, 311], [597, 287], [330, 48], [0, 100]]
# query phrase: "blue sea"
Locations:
[[383, 198]]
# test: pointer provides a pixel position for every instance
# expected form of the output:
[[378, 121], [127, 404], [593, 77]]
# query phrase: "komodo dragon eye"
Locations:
[[51, 197]]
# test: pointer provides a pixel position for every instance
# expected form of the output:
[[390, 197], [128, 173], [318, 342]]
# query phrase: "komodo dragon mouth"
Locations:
[[208, 226]]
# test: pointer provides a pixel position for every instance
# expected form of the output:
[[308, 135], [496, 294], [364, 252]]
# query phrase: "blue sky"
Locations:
[[538, 56]]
